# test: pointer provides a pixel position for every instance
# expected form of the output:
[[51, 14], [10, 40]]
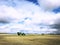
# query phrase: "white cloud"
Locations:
[[49, 4], [17, 14], [22, 10]]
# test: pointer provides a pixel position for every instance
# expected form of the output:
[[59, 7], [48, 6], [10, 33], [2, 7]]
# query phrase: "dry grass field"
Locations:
[[7, 39]]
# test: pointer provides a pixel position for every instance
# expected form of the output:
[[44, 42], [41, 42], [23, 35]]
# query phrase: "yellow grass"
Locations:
[[6, 39]]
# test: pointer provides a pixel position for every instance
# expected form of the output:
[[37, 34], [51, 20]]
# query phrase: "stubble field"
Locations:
[[9, 39]]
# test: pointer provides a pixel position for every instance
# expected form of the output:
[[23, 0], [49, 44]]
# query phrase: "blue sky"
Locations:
[[57, 10], [30, 16], [34, 1]]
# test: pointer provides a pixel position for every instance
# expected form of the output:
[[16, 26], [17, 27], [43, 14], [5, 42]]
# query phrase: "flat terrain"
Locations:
[[7, 39]]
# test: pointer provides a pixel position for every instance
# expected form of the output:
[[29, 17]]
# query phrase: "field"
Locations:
[[8, 39]]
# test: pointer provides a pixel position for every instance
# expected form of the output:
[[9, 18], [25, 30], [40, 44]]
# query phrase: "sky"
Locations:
[[29, 16]]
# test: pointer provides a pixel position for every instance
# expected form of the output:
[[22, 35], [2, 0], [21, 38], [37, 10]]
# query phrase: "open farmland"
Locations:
[[8, 39]]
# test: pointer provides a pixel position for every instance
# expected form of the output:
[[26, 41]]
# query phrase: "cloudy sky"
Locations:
[[29, 16]]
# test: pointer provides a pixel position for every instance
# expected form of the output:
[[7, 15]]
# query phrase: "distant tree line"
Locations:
[[20, 33]]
